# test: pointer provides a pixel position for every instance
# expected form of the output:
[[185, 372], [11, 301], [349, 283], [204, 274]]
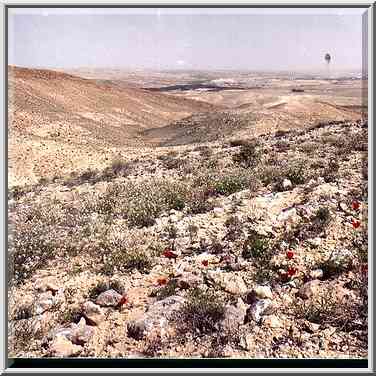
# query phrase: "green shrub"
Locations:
[[165, 291], [200, 313], [258, 248], [249, 155], [126, 253], [296, 172]]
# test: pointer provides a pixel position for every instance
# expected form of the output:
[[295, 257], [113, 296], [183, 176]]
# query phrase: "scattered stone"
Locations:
[[63, 348], [233, 317], [218, 212], [109, 298], [315, 242], [93, 313], [136, 329], [316, 274], [241, 305], [289, 216], [309, 289], [247, 342], [272, 321], [229, 282], [264, 292], [51, 286], [44, 303], [78, 334], [81, 333], [259, 308], [343, 207], [311, 327], [287, 184], [212, 259], [157, 318], [189, 280]]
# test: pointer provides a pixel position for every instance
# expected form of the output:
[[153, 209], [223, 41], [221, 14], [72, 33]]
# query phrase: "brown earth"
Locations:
[[59, 122]]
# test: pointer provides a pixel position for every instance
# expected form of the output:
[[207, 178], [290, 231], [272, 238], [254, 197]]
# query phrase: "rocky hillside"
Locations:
[[233, 248], [59, 122]]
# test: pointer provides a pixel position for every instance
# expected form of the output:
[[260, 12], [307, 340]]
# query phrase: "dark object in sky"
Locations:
[[297, 90], [328, 58]]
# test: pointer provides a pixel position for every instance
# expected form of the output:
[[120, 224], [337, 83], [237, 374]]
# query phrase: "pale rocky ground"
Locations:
[[146, 224], [75, 233]]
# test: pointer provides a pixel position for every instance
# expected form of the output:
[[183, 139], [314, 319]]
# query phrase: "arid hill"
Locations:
[[59, 122]]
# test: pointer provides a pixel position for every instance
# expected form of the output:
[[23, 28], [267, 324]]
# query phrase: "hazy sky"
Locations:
[[257, 39]]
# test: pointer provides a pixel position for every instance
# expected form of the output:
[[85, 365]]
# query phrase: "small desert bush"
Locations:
[[240, 142], [282, 146], [233, 228], [32, 243], [72, 314], [327, 309], [205, 151], [171, 163], [330, 172], [128, 252], [201, 313], [226, 182], [23, 311], [281, 133], [319, 221], [89, 176], [153, 346], [118, 168], [165, 291], [309, 147], [249, 155], [270, 174], [96, 290], [258, 248], [140, 203], [198, 202], [333, 267], [25, 334], [296, 172]]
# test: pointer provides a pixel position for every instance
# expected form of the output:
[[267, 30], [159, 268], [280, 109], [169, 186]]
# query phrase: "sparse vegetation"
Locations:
[[165, 291], [125, 255], [328, 309], [201, 313], [249, 154], [218, 227]]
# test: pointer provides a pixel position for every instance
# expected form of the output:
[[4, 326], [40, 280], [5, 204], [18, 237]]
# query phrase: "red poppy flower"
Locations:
[[284, 277], [290, 254], [291, 271], [169, 254], [123, 301], [162, 281], [205, 262], [355, 205], [355, 223]]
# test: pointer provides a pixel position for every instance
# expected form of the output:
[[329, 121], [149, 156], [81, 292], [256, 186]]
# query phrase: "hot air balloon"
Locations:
[[328, 58]]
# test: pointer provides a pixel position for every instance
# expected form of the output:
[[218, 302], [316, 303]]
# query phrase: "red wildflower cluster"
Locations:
[[168, 253], [205, 262], [364, 269], [123, 301], [291, 271], [355, 205], [355, 223], [290, 254]]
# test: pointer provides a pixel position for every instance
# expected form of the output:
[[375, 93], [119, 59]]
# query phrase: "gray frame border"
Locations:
[[369, 16]]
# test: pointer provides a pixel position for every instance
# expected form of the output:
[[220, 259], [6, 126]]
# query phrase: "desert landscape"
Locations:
[[201, 214]]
